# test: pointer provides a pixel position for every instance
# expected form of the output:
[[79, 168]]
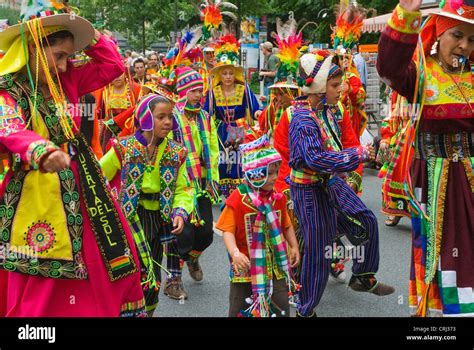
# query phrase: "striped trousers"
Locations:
[[319, 223]]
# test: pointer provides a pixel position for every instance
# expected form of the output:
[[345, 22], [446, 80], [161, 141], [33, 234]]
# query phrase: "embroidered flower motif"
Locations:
[[80, 268], [432, 93], [40, 237]]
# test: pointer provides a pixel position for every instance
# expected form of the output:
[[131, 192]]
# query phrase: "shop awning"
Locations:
[[377, 24]]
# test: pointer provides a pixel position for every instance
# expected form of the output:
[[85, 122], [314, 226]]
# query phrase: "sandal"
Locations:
[[392, 220]]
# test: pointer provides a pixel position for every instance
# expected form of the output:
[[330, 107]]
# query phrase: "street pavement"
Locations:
[[209, 298]]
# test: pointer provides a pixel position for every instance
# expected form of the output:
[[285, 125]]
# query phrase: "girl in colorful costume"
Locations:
[[191, 129], [394, 201], [324, 204], [194, 128], [232, 104], [74, 237], [149, 172], [431, 68], [255, 225]]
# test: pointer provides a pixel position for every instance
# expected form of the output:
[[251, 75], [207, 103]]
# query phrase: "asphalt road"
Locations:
[[209, 298]]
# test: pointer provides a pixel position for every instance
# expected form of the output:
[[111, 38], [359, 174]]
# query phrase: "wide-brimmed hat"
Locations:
[[313, 72], [462, 10], [52, 14], [288, 84]]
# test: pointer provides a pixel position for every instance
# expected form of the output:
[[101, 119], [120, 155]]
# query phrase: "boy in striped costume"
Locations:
[[324, 204]]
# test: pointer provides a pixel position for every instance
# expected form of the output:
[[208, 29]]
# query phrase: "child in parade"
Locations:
[[148, 171], [256, 229], [324, 203], [194, 128]]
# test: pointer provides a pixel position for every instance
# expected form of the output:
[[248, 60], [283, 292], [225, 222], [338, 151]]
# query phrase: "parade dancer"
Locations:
[[324, 203], [197, 132], [148, 171], [348, 140], [431, 67], [232, 104], [394, 201], [255, 225], [76, 240], [191, 130]]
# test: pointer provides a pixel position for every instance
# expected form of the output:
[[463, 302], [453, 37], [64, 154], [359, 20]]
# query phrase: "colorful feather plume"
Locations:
[[185, 53], [348, 29], [290, 51], [212, 16]]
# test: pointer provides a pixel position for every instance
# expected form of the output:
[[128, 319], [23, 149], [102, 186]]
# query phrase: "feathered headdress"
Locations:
[[211, 15], [289, 52], [185, 53], [227, 50], [348, 29]]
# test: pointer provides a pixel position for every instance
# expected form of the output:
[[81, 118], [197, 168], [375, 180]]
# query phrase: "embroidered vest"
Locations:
[[133, 158], [445, 99]]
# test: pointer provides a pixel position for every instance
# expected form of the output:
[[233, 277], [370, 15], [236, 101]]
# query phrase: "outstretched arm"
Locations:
[[396, 47]]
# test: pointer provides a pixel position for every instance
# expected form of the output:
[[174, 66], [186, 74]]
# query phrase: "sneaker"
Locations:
[[337, 275], [336, 271], [293, 300], [174, 289], [369, 284], [195, 270]]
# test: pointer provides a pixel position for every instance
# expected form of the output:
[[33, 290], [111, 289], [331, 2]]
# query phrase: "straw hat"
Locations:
[[52, 13]]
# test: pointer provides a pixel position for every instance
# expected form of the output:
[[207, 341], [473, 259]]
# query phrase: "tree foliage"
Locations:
[[144, 22], [313, 11], [10, 14]]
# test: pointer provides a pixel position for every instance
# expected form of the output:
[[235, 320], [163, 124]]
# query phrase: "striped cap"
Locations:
[[256, 158], [187, 79]]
